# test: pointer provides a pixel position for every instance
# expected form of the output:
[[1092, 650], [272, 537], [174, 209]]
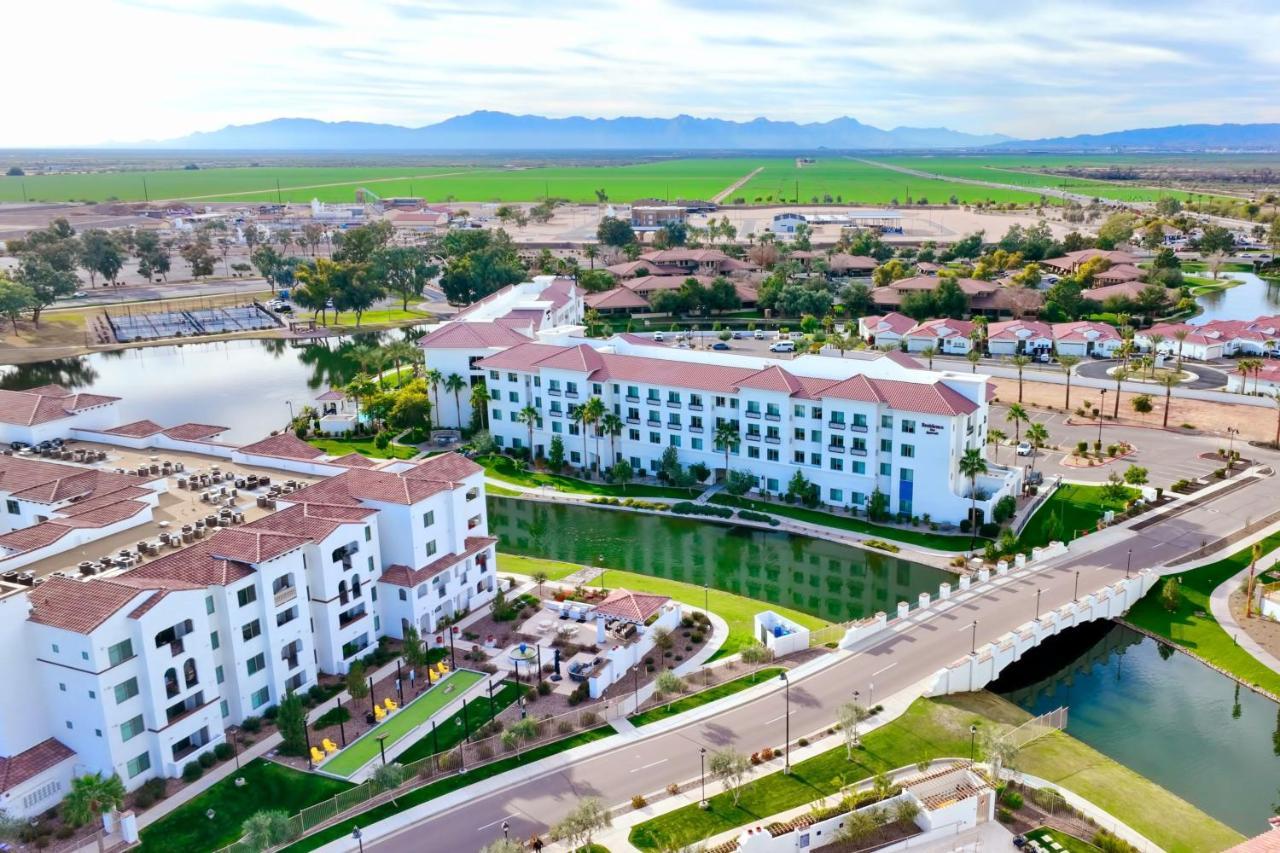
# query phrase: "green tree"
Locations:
[[732, 770], [357, 681], [756, 655], [434, 379], [726, 438], [1142, 404], [1214, 238], [851, 715], [592, 411], [1038, 435], [1017, 415], [621, 473], [412, 411], [1020, 362], [529, 417], [15, 300], [198, 253], [403, 270], [291, 719], [1067, 363], [615, 232], [100, 254], [972, 465], [555, 454], [317, 286], [454, 384], [581, 823], [738, 483], [479, 407], [358, 245], [1135, 475], [91, 796], [47, 283], [413, 650], [477, 263], [153, 257], [355, 290], [266, 829], [612, 426], [973, 356]]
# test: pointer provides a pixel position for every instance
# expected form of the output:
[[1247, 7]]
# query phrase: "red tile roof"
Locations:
[[462, 335], [520, 356], [51, 482], [80, 606], [285, 445], [414, 484], [137, 429], [1085, 330], [332, 395], [1017, 330], [632, 268], [46, 404], [45, 755], [943, 328], [354, 460], [682, 255], [773, 378], [195, 564], [311, 521], [399, 575], [893, 322], [194, 432], [631, 606], [840, 262], [618, 297]]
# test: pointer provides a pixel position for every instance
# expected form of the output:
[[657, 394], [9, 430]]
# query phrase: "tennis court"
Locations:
[[360, 752], [201, 321]]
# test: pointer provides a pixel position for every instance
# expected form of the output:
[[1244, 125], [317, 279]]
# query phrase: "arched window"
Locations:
[[355, 586], [189, 672], [171, 688], [342, 591]]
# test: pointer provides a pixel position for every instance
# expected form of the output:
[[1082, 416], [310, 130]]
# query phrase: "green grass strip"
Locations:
[[1072, 510], [401, 722], [505, 468], [924, 539], [1192, 625], [702, 697], [439, 788]]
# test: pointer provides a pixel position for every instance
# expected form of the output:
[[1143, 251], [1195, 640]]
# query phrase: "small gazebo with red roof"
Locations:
[[630, 606]]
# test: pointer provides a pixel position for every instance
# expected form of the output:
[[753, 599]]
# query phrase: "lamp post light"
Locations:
[[856, 696], [289, 403], [453, 651], [600, 563], [1101, 410], [382, 747], [702, 754], [871, 693], [786, 767], [973, 737], [1038, 591], [973, 639], [358, 837], [1075, 595]]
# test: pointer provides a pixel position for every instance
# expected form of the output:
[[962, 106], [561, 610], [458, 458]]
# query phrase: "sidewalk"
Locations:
[[1220, 607]]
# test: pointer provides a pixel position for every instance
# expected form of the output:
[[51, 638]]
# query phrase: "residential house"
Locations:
[[1019, 337], [944, 337], [1086, 339], [885, 331]]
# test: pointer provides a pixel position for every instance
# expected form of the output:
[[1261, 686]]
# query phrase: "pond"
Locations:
[[243, 384], [1162, 713], [832, 581], [1253, 297]]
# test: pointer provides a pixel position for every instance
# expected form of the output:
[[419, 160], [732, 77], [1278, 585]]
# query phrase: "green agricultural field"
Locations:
[[855, 182], [693, 178]]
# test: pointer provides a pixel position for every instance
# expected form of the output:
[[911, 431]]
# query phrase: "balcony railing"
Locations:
[[632, 398], [858, 427], [571, 395], [835, 424], [673, 404], [631, 420], [772, 439], [753, 436], [695, 429], [856, 452], [284, 596], [554, 392], [695, 407], [835, 448], [771, 416], [753, 415]]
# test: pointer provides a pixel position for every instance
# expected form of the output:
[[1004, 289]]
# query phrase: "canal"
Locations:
[[1163, 714], [243, 384], [832, 581]]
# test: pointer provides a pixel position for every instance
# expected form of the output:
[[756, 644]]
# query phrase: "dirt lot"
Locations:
[[1255, 423]]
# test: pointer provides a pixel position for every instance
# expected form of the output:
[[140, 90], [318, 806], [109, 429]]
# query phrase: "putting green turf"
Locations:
[[361, 752]]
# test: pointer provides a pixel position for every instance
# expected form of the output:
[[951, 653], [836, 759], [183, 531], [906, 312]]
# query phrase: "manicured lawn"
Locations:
[[738, 611], [1192, 625], [449, 732], [922, 538], [1073, 510], [504, 468], [490, 489], [1069, 842], [364, 445], [940, 728], [702, 697], [268, 785], [439, 788], [401, 722], [379, 315]]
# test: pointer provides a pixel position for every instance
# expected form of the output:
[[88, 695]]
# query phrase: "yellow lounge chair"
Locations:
[[316, 756], [378, 713], [329, 746], [443, 667], [390, 704], [432, 676]]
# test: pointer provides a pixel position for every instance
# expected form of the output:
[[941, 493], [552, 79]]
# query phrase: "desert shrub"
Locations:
[[332, 717], [639, 802], [192, 771], [251, 724], [223, 751], [1012, 799], [207, 760]]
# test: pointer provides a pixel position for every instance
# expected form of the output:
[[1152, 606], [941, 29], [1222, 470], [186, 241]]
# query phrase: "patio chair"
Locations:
[[390, 704], [329, 746], [378, 713], [316, 756]]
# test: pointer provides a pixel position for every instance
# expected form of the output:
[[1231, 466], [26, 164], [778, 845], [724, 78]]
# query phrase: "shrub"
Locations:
[[760, 517], [332, 717], [766, 754], [271, 713], [638, 802], [696, 637], [1170, 595], [881, 545], [1004, 815], [690, 508], [804, 741], [673, 788], [192, 771], [1005, 508], [1049, 799], [1109, 843], [587, 719], [251, 724], [989, 530], [223, 751], [207, 760], [543, 688], [1012, 799]]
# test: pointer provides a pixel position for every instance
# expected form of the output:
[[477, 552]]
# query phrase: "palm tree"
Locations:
[[593, 411], [529, 417], [929, 353], [1258, 364], [434, 377], [971, 465], [994, 437], [1067, 362], [612, 426], [1181, 337], [1168, 380], [1120, 375], [399, 352], [1016, 415], [360, 387], [974, 357], [726, 436], [1038, 435], [580, 415], [479, 401], [266, 829], [1255, 554], [91, 796], [1243, 366], [592, 251], [1020, 361], [455, 383], [1156, 340]]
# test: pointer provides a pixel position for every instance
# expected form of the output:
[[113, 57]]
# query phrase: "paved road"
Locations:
[[1207, 378], [897, 662]]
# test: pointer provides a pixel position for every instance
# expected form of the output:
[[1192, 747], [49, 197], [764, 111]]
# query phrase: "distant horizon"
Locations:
[[121, 71]]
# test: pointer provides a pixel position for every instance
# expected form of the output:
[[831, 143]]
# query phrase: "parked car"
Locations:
[[657, 336], [18, 445], [1024, 448], [759, 335], [739, 335], [782, 346], [721, 345]]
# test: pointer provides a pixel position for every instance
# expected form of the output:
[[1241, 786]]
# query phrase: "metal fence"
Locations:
[[200, 321], [1038, 727], [469, 754]]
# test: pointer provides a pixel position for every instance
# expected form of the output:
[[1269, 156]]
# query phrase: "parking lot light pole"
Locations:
[[702, 754], [786, 768], [1128, 564]]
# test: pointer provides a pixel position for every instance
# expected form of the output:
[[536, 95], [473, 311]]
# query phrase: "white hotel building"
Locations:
[[852, 426], [139, 671]]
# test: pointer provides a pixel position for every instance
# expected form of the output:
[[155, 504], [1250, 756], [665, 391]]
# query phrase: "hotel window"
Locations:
[[653, 395], [753, 452], [126, 690], [431, 548], [886, 422], [798, 457], [860, 421], [213, 640], [598, 389], [909, 427], [633, 435], [771, 454], [571, 388], [886, 445], [816, 413], [886, 469], [771, 484], [837, 495], [695, 400], [120, 652], [141, 764], [909, 450], [696, 444], [208, 604], [673, 397], [837, 464], [633, 391], [815, 435], [248, 595], [858, 498], [13, 507], [655, 438], [772, 410], [132, 728], [260, 698], [815, 459], [837, 417], [798, 434], [429, 518], [493, 374], [495, 394], [859, 467], [368, 533], [497, 414], [860, 444], [256, 664], [511, 377], [673, 420], [675, 440], [513, 397], [250, 630], [556, 426], [720, 401], [753, 407], [797, 410]]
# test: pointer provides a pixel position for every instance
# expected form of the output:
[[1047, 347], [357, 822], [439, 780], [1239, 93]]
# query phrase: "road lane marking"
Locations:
[[495, 823], [647, 766], [878, 671], [775, 719]]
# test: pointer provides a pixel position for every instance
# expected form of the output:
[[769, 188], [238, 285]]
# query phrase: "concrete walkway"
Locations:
[[1102, 818], [1220, 607]]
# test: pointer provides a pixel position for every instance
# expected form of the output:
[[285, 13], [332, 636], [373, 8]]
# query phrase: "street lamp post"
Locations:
[[973, 640], [871, 693], [973, 737], [786, 767], [600, 563], [1075, 595], [1232, 432], [1038, 591], [382, 747], [1128, 563], [856, 695], [1102, 409], [702, 754], [289, 403], [453, 651], [358, 837]]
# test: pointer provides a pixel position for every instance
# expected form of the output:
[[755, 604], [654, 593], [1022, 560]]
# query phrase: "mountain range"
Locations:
[[497, 131]]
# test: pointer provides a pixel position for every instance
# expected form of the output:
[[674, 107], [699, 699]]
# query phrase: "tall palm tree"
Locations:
[[612, 426], [479, 402], [400, 352], [434, 377], [974, 357], [91, 796], [1016, 415], [1169, 381], [1156, 340], [529, 417], [595, 410], [726, 436], [581, 415], [360, 387], [971, 465], [1020, 361], [1258, 364], [1120, 375], [454, 384], [929, 353], [994, 437], [1067, 362], [592, 251], [1038, 435], [1243, 366], [1181, 337]]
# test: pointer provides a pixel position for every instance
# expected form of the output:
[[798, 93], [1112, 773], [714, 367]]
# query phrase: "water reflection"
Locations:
[[1162, 713], [1253, 297], [833, 581]]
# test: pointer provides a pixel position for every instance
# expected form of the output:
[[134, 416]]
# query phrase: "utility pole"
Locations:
[[145, 195]]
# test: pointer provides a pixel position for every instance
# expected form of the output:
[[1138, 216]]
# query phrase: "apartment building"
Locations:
[[853, 427], [139, 671], [50, 411]]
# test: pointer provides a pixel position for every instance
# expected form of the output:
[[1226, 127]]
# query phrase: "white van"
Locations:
[[782, 346]]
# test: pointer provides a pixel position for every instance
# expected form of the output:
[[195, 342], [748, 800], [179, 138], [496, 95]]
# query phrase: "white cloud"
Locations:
[[138, 69]]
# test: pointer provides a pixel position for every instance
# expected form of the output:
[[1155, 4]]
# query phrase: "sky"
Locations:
[[83, 72]]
